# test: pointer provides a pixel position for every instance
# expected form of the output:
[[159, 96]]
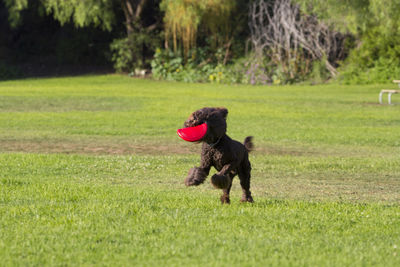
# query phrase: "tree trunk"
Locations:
[[132, 11], [129, 16]]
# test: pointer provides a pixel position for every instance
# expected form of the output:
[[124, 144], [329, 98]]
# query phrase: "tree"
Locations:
[[14, 9], [356, 16], [345, 15], [183, 18], [83, 13], [104, 14], [291, 38], [376, 26]]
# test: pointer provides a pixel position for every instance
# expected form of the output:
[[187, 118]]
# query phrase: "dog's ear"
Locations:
[[223, 111], [200, 115], [195, 118]]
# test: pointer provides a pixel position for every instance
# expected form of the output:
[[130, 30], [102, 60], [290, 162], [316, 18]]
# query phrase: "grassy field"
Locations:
[[91, 173]]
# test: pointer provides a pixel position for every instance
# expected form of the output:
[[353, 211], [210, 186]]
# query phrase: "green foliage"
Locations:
[[41, 46], [183, 18], [166, 65], [14, 10], [132, 52], [376, 24], [140, 20], [219, 29], [82, 13], [319, 74], [377, 60], [250, 70], [384, 70], [124, 52], [297, 67], [344, 15], [171, 66]]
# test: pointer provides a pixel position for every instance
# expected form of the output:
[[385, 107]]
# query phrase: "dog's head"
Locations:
[[215, 119]]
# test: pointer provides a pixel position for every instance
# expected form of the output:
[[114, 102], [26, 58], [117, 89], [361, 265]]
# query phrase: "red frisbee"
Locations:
[[193, 134]]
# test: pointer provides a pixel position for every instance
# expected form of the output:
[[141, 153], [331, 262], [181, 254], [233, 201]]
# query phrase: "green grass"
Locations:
[[91, 173]]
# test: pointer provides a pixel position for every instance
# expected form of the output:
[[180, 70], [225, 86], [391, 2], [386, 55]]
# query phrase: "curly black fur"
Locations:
[[228, 156]]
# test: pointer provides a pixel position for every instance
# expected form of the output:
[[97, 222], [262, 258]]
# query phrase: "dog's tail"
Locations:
[[248, 143]]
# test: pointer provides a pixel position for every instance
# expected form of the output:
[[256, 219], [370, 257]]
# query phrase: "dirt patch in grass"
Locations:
[[334, 189], [122, 145], [99, 147], [284, 151], [118, 146], [273, 176]]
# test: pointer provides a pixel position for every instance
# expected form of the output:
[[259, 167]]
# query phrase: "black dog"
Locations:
[[228, 156]]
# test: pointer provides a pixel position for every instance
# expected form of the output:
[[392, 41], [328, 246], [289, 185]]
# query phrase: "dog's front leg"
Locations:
[[197, 175]]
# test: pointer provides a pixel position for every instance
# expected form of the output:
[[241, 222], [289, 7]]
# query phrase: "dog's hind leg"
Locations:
[[225, 192], [225, 195], [244, 176]]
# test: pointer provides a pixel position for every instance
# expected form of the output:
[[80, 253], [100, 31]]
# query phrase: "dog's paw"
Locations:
[[189, 181], [195, 177], [220, 181], [247, 199], [225, 199]]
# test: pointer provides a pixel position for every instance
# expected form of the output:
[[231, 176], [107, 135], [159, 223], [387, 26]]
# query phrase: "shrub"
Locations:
[[132, 52], [166, 65], [172, 66], [377, 60]]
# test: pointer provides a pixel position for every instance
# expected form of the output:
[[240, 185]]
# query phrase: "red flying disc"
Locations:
[[193, 134]]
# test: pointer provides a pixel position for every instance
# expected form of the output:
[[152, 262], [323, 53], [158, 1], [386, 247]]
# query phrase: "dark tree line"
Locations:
[[274, 40]]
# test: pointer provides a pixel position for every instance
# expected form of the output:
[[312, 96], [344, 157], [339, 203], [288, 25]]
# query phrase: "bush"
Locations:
[[319, 73], [377, 60], [172, 66], [166, 65], [248, 70], [132, 52], [263, 70], [383, 71]]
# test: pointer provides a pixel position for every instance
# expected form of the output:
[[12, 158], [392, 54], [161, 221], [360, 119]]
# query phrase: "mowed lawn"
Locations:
[[91, 173]]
